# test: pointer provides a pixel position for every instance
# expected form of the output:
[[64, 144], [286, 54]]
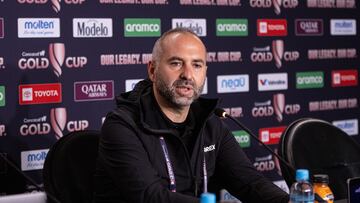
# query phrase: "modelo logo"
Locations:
[[37, 126], [264, 163], [142, 27], [38, 27], [92, 27], [232, 83], [231, 27], [198, 26], [33, 160]]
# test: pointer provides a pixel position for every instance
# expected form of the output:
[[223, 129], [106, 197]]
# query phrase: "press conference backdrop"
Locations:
[[271, 62]]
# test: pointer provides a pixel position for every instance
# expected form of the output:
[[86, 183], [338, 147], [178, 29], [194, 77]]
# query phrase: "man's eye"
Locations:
[[198, 65], [176, 63]]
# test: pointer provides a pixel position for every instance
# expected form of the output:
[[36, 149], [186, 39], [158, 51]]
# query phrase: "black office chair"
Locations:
[[69, 167], [322, 148]]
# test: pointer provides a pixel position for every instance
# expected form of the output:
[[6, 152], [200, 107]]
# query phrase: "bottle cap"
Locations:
[[321, 178], [302, 174], [207, 198]]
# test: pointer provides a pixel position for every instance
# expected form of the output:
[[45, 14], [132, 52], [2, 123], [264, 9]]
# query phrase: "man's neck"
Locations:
[[174, 113]]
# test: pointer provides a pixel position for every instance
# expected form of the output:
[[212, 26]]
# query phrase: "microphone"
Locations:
[[223, 114], [7, 161]]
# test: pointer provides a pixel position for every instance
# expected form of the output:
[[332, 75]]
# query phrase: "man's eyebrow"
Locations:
[[175, 58], [199, 60], [181, 59]]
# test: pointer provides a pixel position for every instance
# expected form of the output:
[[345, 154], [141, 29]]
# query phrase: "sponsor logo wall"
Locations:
[[270, 62]]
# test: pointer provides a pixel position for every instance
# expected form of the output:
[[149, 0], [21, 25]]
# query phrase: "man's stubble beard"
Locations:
[[168, 91]]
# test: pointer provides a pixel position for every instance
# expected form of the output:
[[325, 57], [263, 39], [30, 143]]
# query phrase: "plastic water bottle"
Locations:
[[302, 191], [207, 198]]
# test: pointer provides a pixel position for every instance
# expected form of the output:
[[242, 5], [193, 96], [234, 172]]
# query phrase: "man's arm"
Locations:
[[126, 162], [241, 178]]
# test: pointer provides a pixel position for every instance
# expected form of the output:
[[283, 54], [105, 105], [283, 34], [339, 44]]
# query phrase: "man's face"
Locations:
[[180, 73]]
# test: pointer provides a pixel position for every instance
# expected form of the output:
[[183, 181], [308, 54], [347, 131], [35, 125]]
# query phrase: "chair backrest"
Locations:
[[322, 148], [70, 165]]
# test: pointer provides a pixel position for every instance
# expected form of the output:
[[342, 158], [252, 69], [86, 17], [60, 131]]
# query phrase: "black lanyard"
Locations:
[[170, 169]]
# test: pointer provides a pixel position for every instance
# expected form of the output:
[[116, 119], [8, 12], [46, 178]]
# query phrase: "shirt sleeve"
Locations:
[[241, 179], [127, 164]]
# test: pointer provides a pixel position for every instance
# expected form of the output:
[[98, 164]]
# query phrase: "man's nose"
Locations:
[[187, 72]]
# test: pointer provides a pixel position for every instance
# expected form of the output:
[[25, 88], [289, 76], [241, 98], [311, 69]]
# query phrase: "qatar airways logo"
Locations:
[[271, 27], [38, 60], [342, 78], [198, 26], [40, 93], [277, 107], [309, 27], [270, 136], [277, 4], [276, 52], [55, 4], [35, 126], [94, 90], [264, 164], [59, 122]]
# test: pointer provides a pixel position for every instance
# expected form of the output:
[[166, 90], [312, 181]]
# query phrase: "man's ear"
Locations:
[[151, 70]]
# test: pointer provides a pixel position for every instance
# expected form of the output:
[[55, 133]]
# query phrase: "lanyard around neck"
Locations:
[[170, 169]]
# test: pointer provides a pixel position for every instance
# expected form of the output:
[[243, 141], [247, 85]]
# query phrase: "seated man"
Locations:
[[164, 144]]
